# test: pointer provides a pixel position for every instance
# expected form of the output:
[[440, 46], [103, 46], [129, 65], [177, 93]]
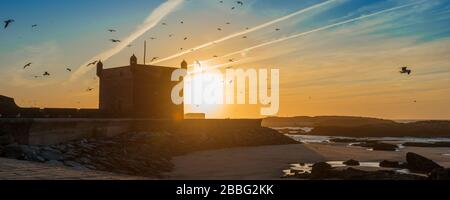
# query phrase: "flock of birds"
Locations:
[[7, 23]]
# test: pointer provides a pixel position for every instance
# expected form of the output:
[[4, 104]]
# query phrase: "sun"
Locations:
[[204, 89]]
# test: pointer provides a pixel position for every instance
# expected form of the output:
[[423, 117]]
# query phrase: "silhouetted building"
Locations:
[[142, 91]]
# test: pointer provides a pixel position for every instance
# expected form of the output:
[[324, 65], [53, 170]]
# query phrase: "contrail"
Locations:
[[246, 31], [309, 32], [152, 20]]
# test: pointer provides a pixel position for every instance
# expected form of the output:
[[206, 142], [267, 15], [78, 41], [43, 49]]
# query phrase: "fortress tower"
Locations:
[[138, 91]]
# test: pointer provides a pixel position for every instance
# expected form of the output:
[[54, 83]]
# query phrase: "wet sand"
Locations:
[[267, 162]]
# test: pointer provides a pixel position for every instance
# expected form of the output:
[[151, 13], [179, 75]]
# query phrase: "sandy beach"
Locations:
[[267, 162]]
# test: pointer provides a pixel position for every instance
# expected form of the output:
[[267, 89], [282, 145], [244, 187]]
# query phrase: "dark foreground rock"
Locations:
[[428, 145], [420, 164], [345, 140], [392, 164], [422, 168], [356, 174], [351, 162], [320, 170], [378, 146], [326, 172], [440, 174]]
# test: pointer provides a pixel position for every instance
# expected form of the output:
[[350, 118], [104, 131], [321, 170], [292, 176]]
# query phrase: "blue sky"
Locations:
[[335, 65]]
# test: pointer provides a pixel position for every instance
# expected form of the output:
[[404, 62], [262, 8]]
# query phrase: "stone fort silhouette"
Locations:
[[133, 91]]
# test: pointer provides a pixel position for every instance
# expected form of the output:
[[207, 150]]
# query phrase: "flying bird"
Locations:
[[277, 29], [405, 70], [89, 89], [185, 38], [115, 41], [233, 8], [244, 37], [182, 22], [112, 30], [154, 58], [228, 23], [92, 63], [231, 60], [34, 26], [240, 3], [164, 24], [8, 22], [219, 29], [69, 70], [27, 65], [46, 74], [153, 38]]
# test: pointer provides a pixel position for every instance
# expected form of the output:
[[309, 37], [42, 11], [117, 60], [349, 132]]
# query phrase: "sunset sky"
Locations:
[[337, 57]]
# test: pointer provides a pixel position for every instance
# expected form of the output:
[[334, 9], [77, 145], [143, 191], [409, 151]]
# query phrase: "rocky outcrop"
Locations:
[[420, 164], [418, 129], [378, 146], [440, 174], [428, 145], [345, 140], [304, 121], [320, 170], [351, 162], [392, 164]]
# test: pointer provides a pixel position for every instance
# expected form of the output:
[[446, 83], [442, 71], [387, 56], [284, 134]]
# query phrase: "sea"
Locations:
[[305, 138]]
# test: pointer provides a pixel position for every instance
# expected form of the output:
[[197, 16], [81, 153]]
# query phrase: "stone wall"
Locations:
[[54, 131]]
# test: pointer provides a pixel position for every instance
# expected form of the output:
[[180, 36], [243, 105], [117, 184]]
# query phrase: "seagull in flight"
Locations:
[[46, 74], [34, 26], [92, 63], [89, 89], [154, 58], [8, 22], [27, 65], [153, 38], [405, 70], [69, 70], [112, 30], [240, 3], [115, 41]]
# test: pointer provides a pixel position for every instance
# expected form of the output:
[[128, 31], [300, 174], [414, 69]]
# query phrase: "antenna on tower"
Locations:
[[145, 51]]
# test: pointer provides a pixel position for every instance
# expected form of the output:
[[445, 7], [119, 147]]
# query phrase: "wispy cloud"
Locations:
[[152, 20], [264, 25], [312, 31]]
